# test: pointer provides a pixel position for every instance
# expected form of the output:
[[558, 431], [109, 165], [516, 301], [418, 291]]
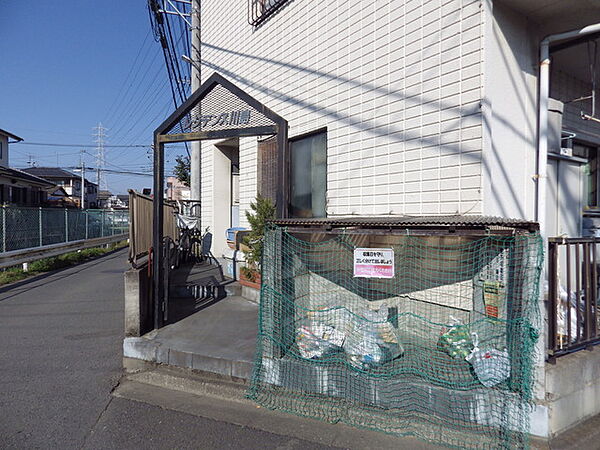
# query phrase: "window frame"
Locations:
[[288, 194], [260, 10], [587, 160]]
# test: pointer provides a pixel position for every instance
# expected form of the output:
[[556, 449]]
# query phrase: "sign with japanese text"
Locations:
[[374, 262], [221, 119]]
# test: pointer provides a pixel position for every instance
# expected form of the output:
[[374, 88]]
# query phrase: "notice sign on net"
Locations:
[[374, 262]]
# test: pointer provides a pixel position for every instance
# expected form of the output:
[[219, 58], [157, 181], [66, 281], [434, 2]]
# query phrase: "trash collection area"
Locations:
[[412, 326]]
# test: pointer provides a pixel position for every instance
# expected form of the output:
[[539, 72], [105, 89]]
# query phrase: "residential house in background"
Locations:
[[58, 197], [16, 186], [70, 182], [176, 190], [119, 201], [102, 198], [108, 200]]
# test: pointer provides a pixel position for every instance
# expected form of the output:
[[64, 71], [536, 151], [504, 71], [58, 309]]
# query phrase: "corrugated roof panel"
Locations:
[[410, 221]]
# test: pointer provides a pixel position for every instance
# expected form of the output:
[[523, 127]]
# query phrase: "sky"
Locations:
[[66, 67]]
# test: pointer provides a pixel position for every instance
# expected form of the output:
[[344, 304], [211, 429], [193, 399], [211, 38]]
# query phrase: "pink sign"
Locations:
[[374, 262]]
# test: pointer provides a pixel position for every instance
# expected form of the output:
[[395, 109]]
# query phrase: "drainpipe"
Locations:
[[543, 115]]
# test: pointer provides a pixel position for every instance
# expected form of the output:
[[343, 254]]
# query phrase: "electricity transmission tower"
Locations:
[[100, 136]]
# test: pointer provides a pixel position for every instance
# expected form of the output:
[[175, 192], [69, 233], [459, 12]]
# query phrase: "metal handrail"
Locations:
[[572, 300]]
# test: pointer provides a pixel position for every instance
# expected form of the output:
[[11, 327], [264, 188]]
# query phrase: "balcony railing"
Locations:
[[573, 320], [260, 10]]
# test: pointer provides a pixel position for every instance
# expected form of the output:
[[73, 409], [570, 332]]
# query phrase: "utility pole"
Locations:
[[196, 81], [100, 135], [82, 180]]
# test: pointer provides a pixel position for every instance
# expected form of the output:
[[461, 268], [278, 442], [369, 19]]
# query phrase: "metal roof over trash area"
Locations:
[[412, 222]]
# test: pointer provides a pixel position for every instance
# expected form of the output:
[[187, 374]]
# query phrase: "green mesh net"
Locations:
[[443, 351]]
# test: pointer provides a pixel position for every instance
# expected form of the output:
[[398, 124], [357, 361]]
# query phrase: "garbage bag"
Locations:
[[491, 366], [315, 340], [371, 340], [456, 340]]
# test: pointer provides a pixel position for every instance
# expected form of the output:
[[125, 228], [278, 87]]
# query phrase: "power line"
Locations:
[[116, 172], [129, 103], [153, 99], [133, 66], [55, 144]]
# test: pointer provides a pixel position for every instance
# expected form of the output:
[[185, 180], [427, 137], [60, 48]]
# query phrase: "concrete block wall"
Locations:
[[397, 84], [139, 316], [573, 390]]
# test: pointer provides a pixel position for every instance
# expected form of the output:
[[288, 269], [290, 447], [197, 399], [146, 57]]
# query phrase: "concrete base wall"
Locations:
[[572, 390], [138, 302]]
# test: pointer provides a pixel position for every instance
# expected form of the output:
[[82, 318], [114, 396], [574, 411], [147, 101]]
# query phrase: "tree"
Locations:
[[182, 169]]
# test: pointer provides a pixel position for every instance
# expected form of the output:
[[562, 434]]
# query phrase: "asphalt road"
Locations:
[[60, 355]]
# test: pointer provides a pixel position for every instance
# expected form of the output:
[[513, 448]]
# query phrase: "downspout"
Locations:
[[543, 134], [542, 156]]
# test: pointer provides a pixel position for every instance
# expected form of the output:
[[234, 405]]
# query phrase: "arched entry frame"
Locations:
[[218, 109]]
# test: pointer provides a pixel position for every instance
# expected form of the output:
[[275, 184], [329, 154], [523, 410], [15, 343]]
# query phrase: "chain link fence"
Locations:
[[22, 228]]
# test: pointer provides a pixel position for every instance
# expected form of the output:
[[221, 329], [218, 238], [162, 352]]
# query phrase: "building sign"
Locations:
[[374, 262], [207, 121]]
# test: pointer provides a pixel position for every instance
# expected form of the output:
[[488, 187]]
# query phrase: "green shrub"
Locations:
[[42, 265], [92, 252], [262, 210], [12, 275]]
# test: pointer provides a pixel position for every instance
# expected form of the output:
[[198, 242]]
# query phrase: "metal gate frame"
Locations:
[[164, 134]]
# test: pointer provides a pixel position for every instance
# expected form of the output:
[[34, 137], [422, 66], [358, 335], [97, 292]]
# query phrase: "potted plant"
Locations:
[[261, 211]]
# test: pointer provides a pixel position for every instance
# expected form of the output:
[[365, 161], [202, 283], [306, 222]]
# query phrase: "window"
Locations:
[[308, 176], [591, 173], [1, 150], [260, 10]]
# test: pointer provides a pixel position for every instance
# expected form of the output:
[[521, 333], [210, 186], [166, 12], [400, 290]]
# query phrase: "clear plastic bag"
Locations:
[[371, 340], [491, 366], [315, 340], [456, 340]]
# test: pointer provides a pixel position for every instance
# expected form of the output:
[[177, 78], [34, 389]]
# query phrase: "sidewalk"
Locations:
[[220, 338], [223, 400]]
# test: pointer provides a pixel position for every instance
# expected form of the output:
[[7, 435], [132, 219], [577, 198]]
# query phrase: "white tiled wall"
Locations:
[[397, 83], [248, 169], [206, 183]]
